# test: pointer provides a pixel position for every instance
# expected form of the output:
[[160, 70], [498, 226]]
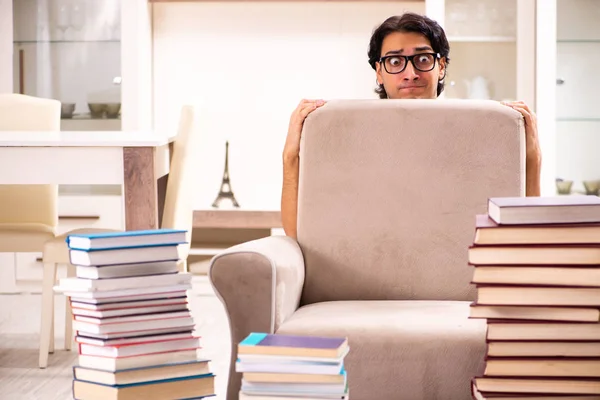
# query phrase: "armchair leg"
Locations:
[[69, 313], [47, 317]]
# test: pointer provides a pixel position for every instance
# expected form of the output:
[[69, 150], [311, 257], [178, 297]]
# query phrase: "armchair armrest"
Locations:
[[259, 283]]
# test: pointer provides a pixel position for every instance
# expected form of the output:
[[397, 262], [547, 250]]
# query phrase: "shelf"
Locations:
[[579, 119], [87, 117], [482, 39], [65, 41]]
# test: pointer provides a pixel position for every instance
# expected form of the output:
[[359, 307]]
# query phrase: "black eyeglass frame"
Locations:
[[408, 59]]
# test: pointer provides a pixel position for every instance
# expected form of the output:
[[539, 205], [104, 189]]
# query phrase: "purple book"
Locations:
[[293, 345]]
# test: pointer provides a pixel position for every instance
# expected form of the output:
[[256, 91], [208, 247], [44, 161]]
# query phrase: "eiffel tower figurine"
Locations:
[[225, 192]]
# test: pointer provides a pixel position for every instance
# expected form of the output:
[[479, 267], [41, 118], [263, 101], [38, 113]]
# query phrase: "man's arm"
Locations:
[[533, 153], [291, 165], [289, 195], [533, 167]]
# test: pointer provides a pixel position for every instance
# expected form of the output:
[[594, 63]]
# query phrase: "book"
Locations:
[[576, 255], [551, 366], [548, 275], [125, 239], [135, 326], [538, 295], [538, 385], [159, 301], [119, 297], [113, 364], [488, 232], [244, 396], [543, 349], [133, 340], [136, 333], [520, 312], [136, 293], [485, 395], [123, 255], [542, 331], [93, 285], [188, 387], [129, 311], [292, 345], [133, 318], [544, 209], [280, 377], [142, 374], [289, 366], [138, 349], [294, 389], [126, 270]]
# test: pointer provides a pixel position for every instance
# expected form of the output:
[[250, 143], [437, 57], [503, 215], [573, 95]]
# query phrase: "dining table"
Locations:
[[137, 160]]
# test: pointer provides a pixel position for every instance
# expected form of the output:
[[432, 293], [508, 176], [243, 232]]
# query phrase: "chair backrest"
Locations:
[[178, 210], [36, 204], [389, 190]]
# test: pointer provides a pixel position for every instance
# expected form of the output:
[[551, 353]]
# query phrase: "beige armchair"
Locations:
[[178, 214], [388, 194]]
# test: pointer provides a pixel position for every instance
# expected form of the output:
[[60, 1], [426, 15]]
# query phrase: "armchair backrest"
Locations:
[[389, 190]]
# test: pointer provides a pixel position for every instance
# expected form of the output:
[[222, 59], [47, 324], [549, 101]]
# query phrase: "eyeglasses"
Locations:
[[423, 62]]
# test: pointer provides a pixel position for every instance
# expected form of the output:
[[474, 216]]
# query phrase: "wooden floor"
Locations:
[[21, 379]]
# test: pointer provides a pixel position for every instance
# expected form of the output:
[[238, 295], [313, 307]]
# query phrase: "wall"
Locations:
[[247, 65]]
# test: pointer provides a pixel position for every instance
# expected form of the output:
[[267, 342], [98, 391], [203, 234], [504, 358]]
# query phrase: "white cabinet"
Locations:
[[512, 45], [484, 46], [577, 112], [93, 56]]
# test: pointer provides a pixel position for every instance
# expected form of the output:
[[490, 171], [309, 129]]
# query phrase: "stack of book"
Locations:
[[134, 329], [290, 367], [537, 273]]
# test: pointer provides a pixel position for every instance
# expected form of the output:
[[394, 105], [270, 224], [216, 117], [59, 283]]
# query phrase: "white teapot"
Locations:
[[478, 88]]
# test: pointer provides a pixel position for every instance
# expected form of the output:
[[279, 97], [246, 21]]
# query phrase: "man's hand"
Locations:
[[533, 157], [291, 151], [291, 165]]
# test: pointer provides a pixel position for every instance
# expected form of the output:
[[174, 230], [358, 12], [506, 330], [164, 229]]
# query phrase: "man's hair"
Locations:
[[409, 22]]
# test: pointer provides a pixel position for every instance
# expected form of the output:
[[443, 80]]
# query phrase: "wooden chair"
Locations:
[[29, 213]]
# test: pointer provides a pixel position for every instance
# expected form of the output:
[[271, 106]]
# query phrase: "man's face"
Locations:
[[410, 83]]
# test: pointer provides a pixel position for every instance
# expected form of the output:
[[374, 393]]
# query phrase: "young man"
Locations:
[[410, 55]]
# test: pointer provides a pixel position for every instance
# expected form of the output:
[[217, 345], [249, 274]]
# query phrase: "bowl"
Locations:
[[564, 187], [97, 109], [66, 110], [112, 110], [592, 187]]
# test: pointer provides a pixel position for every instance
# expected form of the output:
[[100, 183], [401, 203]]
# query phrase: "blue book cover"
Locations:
[[183, 378], [297, 341], [116, 234], [112, 240]]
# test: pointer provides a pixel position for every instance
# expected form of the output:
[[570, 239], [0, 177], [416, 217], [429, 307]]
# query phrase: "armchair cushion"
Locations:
[[422, 349]]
